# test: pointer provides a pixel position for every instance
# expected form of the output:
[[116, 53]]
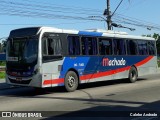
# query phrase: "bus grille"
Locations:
[[20, 82]]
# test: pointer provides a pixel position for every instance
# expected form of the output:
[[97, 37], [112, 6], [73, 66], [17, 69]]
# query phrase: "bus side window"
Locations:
[[44, 46], [48, 46], [119, 47], [85, 45], [94, 46], [105, 47], [151, 48], [73, 45], [132, 47], [89, 46], [142, 47], [51, 47]]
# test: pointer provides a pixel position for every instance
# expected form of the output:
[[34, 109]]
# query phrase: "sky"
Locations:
[[13, 16]]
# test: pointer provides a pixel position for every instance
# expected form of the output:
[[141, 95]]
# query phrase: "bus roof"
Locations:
[[95, 32], [89, 32]]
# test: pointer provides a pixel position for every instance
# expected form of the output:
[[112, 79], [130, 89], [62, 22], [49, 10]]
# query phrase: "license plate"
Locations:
[[18, 79]]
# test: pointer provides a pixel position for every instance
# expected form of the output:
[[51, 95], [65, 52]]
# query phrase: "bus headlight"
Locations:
[[35, 71]]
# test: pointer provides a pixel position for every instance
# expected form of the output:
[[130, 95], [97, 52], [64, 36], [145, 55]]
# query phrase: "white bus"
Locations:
[[48, 57]]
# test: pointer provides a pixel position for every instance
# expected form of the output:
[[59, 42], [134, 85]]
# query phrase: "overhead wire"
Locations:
[[53, 11], [22, 24], [134, 5], [134, 19], [47, 8], [137, 22], [28, 13], [27, 10], [64, 6]]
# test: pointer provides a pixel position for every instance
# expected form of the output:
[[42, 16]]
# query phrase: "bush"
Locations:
[[2, 75], [158, 61], [2, 63]]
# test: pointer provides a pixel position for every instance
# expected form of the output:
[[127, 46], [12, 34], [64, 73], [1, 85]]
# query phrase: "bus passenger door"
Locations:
[[51, 59]]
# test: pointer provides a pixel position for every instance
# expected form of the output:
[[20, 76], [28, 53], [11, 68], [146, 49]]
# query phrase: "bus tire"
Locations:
[[133, 74], [71, 81]]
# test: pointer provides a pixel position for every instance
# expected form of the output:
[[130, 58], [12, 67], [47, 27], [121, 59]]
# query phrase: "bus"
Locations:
[[43, 57]]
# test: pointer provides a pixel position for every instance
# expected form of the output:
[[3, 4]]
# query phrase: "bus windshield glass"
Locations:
[[23, 50]]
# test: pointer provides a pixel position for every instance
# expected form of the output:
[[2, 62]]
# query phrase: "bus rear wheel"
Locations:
[[71, 81], [133, 74]]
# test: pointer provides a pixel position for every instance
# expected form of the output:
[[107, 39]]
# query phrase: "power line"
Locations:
[[23, 10], [66, 7], [134, 21], [142, 25], [4, 24], [117, 7], [124, 17], [49, 11], [28, 13], [48, 8], [134, 5], [125, 20]]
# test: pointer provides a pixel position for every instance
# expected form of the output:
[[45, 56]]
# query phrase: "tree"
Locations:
[[0, 47], [3, 44]]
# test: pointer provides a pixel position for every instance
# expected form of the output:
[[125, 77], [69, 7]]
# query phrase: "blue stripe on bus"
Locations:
[[90, 33]]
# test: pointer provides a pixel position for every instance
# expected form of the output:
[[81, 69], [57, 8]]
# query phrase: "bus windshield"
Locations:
[[22, 50]]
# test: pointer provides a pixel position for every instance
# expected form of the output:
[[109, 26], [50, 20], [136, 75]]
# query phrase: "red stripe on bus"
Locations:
[[102, 74], [143, 61], [54, 81], [47, 82]]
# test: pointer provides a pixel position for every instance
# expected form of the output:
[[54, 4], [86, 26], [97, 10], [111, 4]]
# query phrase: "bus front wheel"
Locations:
[[133, 74], [71, 81]]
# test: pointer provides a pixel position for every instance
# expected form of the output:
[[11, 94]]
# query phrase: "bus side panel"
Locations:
[[79, 64], [97, 68], [51, 73], [111, 68], [149, 68], [53, 76]]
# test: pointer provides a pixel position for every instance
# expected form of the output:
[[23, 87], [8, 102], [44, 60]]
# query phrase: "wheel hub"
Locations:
[[133, 75], [71, 81]]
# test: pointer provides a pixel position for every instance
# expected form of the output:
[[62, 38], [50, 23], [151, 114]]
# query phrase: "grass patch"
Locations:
[[158, 61], [2, 63], [2, 74]]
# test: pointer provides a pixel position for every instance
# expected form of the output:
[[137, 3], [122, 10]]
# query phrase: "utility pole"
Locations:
[[107, 13]]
